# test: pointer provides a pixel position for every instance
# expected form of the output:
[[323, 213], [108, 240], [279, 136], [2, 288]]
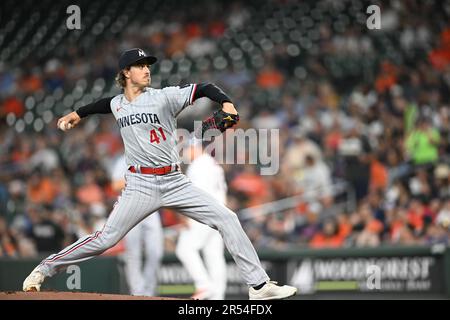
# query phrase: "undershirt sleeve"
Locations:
[[212, 92], [100, 106]]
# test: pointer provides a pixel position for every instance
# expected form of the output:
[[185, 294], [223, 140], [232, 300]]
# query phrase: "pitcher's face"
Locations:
[[139, 75]]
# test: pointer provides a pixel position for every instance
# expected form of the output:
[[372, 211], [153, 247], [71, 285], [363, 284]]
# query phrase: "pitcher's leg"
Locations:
[[138, 200], [83, 249], [198, 205]]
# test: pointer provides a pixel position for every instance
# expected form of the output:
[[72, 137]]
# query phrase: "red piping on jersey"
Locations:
[[193, 94], [61, 255]]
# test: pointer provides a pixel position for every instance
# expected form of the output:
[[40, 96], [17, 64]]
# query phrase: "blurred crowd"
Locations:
[[382, 130]]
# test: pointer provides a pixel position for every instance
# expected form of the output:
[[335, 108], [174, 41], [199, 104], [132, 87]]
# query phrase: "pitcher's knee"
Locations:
[[227, 220], [231, 218], [107, 240]]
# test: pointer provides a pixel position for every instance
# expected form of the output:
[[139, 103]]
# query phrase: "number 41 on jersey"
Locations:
[[154, 136]]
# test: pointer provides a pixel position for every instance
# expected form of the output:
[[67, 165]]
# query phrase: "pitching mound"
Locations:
[[48, 295]]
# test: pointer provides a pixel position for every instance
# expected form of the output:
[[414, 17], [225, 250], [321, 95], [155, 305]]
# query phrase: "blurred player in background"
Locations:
[[209, 276], [144, 244]]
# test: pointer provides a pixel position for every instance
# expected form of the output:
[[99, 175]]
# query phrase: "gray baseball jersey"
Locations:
[[148, 123]]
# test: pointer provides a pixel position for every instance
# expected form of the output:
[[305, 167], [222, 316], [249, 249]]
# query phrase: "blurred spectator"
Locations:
[[90, 192], [440, 56], [8, 83], [278, 228], [107, 141], [333, 139], [328, 237], [238, 16], [355, 149], [269, 78], [235, 77], [216, 29], [378, 174], [327, 97], [8, 244], [26, 247], [419, 185], [315, 182], [310, 225], [387, 77], [419, 216], [12, 105], [40, 189], [31, 81], [371, 229], [344, 225], [266, 120], [54, 75], [423, 142], [44, 158], [296, 153], [443, 217], [48, 236], [436, 234], [177, 42], [15, 203], [251, 185]]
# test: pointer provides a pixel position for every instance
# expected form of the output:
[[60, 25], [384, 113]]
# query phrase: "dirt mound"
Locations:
[[49, 295]]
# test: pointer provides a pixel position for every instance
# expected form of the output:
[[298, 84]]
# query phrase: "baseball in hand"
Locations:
[[63, 125]]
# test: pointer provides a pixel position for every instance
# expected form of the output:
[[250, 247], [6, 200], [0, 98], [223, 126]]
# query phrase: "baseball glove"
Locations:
[[220, 120]]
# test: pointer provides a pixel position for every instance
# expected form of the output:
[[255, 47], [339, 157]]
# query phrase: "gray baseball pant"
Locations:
[[145, 194]]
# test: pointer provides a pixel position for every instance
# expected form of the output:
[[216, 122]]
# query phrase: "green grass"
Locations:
[[176, 289], [337, 285]]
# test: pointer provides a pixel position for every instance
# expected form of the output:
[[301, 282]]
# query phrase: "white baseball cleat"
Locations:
[[33, 281], [272, 291]]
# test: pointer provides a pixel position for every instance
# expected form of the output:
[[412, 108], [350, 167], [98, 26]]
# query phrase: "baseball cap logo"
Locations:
[[131, 56]]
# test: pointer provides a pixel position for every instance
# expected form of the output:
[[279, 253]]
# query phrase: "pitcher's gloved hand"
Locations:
[[220, 120]]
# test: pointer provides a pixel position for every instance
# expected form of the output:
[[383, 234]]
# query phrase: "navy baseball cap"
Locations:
[[132, 56]]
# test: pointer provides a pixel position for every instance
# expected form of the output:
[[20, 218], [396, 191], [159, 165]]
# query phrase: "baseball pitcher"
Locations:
[[147, 121]]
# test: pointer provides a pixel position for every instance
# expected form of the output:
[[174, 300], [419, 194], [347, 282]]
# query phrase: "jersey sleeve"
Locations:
[[179, 98]]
